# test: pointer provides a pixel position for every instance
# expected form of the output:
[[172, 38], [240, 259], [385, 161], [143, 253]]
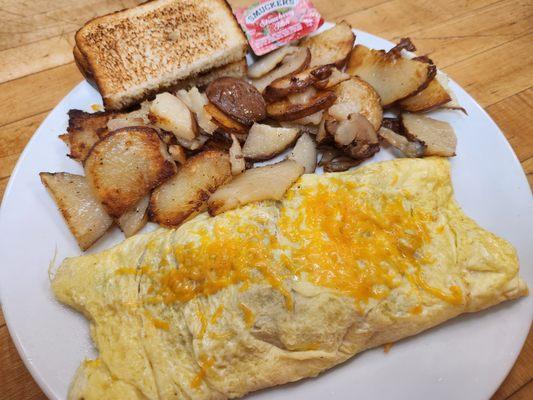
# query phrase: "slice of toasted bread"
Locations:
[[235, 69], [138, 52], [332, 46], [83, 66]]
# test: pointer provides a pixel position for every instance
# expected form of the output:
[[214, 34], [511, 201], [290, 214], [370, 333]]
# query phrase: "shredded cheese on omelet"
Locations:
[[340, 236]]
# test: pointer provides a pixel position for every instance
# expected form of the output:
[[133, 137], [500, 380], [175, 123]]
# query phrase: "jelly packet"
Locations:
[[270, 24]]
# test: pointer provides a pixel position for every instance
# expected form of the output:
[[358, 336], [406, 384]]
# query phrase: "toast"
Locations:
[[235, 69], [135, 53]]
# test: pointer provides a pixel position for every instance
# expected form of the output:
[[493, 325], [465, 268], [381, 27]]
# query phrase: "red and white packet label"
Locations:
[[269, 24]]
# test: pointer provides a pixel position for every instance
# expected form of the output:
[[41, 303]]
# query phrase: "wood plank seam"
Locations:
[[519, 389], [46, 112], [490, 49], [440, 22]]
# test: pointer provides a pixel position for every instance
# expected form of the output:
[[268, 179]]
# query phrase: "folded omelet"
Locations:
[[278, 291]]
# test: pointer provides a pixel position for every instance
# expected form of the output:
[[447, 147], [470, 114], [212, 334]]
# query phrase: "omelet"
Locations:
[[275, 292]]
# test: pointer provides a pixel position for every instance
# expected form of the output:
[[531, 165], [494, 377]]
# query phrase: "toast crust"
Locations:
[[138, 52]]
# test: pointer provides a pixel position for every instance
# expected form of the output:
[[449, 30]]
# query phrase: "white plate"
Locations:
[[466, 358]]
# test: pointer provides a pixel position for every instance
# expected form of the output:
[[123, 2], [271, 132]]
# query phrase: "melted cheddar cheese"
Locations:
[[335, 234]]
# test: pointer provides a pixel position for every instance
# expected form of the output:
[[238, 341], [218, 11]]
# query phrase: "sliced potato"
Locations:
[[355, 136], [302, 98], [267, 63], [124, 166], [304, 153], [392, 76], [185, 194], [238, 99], [408, 148], [236, 158], [434, 95], [170, 113], [225, 122], [394, 124], [195, 144], [177, 153], [332, 46], [296, 83], [322, 136], [438, 137], [84, 130], [133, 220], [285, 110], [328, 154], [313, 119], [265, 141], [310, 129], [256, 184], [453, 104], [196, 102], [81, 142], [138, 117], [340, 164], [85, 216], [359, 97], [65, 138], [124, 122], [337, 76], [291, 64]]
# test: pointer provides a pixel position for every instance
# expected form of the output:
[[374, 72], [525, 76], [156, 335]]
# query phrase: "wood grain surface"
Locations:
[[485, 45]]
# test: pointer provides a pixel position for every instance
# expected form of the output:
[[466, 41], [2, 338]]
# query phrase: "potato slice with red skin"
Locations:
[[185, 194], [392, 76], [125, 165], [238, 99], [133, 220], [224, 122], [285, 110], [296, 83], [265, 141], [262, 183], [332, 46], [85, 216], [291, 64]]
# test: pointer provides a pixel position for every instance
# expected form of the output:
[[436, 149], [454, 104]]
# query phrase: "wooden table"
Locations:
[[485, 45]]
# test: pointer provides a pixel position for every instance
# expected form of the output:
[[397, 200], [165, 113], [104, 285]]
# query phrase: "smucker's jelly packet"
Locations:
[[270, 24]]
